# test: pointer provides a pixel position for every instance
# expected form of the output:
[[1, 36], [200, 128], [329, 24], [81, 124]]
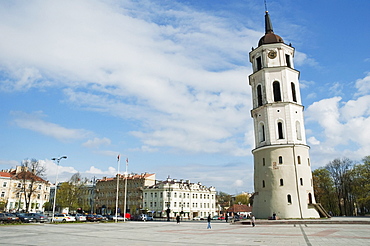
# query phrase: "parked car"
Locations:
[[101, 217], [80, 217], [64, 218], [7, 218], [25, 218], [92, 218], [221, 218], [197, 218], [215, 217], [39, 217], [113, 217], [145, 217]]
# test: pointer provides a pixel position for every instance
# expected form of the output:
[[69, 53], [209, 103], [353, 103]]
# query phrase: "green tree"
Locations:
[[70, 194], [223, 199], [361, 185], [324, 190], [242, 199]]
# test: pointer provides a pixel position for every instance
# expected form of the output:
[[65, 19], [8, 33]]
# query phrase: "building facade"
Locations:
[[15, 184], [105, 194], [282, 172], [172, 197]]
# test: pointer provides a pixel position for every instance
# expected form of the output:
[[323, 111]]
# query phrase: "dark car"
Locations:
[[7, 218], [39, 217], [25, 218], [101, 217], [92, 218]]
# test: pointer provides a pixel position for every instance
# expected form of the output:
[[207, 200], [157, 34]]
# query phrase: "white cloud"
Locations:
[[313, 141], [363, 85], [96, 142], [34, 122], [97, 171]]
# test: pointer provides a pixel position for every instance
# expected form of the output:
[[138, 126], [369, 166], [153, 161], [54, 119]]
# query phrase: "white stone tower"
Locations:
[[282, 172]]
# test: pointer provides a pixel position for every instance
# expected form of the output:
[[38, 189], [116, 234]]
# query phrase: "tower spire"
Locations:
[[268, 23]]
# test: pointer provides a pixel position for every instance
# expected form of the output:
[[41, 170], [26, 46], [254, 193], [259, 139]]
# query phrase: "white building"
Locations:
[[181, 197], [13, 184], [282, 172]]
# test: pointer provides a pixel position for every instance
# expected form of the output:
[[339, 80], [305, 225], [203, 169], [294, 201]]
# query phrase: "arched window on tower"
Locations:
[[261, 132], [294, 96], [309, 198], [259, 95], [263, 183], [298, 130], [281, 182], [289, 198], [280, 130], [287, 58], [277, 92], [280, 160], [299, 159], [259, 63]]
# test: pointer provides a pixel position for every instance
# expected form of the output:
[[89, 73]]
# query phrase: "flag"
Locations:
[[126, 161], [118, 157]]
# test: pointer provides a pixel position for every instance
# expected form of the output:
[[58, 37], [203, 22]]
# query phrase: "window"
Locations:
[[262, 132], [168, 194], [281, 182], [200, 196], [39, 187], [280, 130], [3, 194], [287, 58], [38, 196], [259, 63], [19, 185], [289, 198], [155, 194], [299, 159], [298, 130], [301, 181], [259, 95], [308, 161], [174, 204], [175, 195], [277, 92], [263, 162], [263, 183], [4, 184], [293, 92], [155, 204], [280, 160]]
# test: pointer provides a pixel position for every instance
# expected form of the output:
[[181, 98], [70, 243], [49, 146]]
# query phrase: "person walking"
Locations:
[[178, 219], [253, 220], [209, 221]]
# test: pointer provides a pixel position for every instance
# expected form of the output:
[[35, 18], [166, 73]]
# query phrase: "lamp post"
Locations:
[[56, 182]]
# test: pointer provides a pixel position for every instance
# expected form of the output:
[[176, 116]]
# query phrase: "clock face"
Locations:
[[272, 54]]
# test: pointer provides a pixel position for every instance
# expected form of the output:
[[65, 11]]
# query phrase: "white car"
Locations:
[[64, 218], [80, 217]]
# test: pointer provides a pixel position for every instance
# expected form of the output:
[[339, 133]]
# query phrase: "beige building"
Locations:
[[106, 193], [180, 197], [14, 183]]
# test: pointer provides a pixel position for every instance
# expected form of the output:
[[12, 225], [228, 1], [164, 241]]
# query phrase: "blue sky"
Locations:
[[165, 83]]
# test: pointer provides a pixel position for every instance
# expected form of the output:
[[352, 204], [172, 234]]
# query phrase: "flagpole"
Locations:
[[126, 174], [118, 164]]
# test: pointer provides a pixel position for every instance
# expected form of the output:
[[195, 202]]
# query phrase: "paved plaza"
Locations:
[[187, 233]]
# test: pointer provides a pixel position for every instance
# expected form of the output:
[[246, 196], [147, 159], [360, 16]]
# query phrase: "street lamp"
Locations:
[[56, 182]]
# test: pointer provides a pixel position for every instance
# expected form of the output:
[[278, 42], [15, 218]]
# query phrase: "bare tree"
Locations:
[[30, 174]]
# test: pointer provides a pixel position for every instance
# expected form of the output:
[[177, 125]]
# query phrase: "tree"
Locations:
[[324, 190], [242, 199], [361, 185], [70, 194], [223, 199], [30, 175], [340, 172]]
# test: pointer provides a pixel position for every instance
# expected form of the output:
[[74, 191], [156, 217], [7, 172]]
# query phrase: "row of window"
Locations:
[[280, 160], [259, 62], [280, 131], [276, 93], [19, 185], [180, 195], [282, 182], [182, 205], [18, 195]]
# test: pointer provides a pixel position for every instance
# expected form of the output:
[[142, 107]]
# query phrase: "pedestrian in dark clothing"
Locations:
[[226, 217], [178, 219], [209, 222]]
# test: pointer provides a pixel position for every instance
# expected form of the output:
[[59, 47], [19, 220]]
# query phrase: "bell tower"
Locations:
[[282, 172]]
